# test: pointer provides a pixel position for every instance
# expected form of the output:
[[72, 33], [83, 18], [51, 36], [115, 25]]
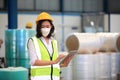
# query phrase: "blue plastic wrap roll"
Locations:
[[22, 51], [10, 62], [22, 39], [23, 63], [16, 47], [12, 73], [10, 47], [10, 43]]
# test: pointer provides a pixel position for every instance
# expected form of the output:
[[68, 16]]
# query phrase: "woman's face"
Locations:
[[46, 24], [45, 28]]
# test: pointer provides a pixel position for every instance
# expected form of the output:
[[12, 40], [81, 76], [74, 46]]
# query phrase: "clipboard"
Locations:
[[68, 58]]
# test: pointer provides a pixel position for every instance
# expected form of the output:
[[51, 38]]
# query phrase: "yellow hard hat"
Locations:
[[44, 16], [29, 25]]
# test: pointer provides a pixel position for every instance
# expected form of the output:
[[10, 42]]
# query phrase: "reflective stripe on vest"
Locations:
[[42, 50], [36, 47], [44, 78]]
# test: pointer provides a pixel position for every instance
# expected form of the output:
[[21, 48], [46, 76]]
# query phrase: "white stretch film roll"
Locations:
[[77, 41], [114, 64], [109, 41], [118, 57], [66, 72], [104, 69], [83, 67]]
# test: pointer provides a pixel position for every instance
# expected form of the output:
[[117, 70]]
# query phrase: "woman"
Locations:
[[44, 58]]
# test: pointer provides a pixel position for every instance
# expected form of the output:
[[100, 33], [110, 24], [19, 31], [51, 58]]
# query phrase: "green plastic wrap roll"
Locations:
[[14, 73], [10, 43], [22, 39], [23, 63], [10, 62]]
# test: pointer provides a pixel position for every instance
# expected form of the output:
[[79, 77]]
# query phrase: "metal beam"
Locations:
[[12, 14]]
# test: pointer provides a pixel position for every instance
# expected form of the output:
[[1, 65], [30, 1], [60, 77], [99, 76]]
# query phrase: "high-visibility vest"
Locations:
[[43, 54]]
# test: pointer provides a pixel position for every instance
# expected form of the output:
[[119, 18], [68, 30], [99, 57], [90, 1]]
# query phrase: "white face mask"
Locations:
[[45, 31]]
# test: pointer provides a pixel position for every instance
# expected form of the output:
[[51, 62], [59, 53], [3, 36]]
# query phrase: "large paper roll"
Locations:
[[118, 43], [104, 42], [109, 41], [76, 41]]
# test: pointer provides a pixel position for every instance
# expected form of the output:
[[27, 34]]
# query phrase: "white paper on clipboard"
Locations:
[[68, 58]]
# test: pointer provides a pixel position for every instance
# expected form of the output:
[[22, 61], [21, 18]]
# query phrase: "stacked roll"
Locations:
[[12, 73], [118, 59], [83, 67], [104, 70], [78, 41], [109, 41], [118, 43], [93, 41], [98, 55], [22, 51], [114, 59], [10, 47], [106, 65], [67, 72]]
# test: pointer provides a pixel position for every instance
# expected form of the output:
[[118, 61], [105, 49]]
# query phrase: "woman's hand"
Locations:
[[67, 59], [61, 56]]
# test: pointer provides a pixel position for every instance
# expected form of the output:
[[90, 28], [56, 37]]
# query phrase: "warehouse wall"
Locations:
[[70, 22], [106, 23], [3, 27], [115, 23]]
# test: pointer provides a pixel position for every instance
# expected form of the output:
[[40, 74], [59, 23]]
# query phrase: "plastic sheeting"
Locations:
[[16, 47], [12, 73], [10, 47]]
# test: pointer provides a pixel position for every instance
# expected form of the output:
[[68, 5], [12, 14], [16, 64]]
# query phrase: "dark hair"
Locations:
[[39, 26]]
